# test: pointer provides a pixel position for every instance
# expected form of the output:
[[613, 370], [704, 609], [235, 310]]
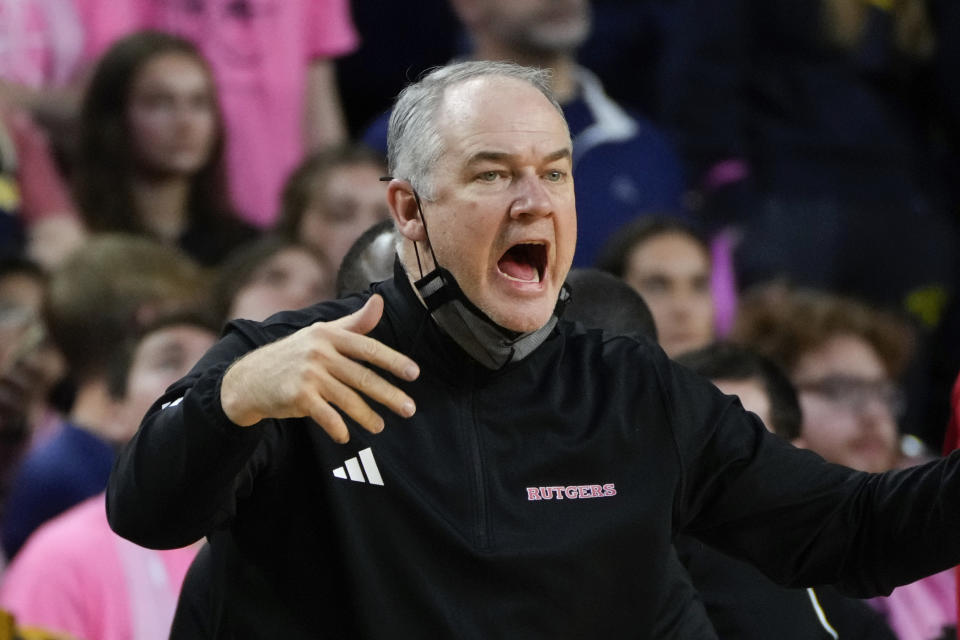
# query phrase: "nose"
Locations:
[[875, 411], [531, 199], [681, 303], [189, 115]]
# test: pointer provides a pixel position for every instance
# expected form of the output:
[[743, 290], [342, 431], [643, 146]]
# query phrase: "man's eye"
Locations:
[[489, 176], [555, 176]]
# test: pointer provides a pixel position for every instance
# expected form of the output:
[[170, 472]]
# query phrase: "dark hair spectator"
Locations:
[[728, 361], [600, 299], [614, 257], [274, 63], [268, 275], [667, 262], [370, 259], [151, 148], [332, 197]]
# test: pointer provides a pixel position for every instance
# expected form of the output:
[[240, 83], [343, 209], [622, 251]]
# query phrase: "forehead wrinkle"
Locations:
[[505, 156]]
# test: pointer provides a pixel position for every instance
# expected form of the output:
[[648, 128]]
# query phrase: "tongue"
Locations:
[[519, 270]]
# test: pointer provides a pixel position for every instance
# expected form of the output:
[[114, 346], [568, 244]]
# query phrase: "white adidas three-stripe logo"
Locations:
[[351, 468]]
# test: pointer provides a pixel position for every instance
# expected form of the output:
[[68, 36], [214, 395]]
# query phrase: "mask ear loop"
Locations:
[[416, 251], [423, 220]]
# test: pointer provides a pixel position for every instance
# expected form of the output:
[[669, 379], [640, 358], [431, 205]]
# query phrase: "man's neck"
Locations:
[[563, 80], [162, 205]]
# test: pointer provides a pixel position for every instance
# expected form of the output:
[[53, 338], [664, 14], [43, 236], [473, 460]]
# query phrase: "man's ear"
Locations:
[[403, 206]]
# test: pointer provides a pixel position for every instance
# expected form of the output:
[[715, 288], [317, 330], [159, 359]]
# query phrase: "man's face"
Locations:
[[849, 405], [672, 273], [504, 221], [536, 26]]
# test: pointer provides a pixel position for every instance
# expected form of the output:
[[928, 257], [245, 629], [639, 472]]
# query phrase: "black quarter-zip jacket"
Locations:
[[537, 501]]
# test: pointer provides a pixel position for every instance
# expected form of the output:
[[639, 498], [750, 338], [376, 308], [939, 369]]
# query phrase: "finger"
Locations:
[[339, 394], [360, 347], [366, 381], [364, 319], [329, 420]]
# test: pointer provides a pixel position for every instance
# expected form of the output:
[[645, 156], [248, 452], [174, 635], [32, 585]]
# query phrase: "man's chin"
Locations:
[[520, 319]]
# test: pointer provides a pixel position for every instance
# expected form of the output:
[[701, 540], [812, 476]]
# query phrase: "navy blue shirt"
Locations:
[[73, 466]]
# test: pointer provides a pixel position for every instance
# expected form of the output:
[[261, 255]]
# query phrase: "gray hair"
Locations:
[[414, 144]]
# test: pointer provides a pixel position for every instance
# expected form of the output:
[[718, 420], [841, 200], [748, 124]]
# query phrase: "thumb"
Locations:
[[364, 319]]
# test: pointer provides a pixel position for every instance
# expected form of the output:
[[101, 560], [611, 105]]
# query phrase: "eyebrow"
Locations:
[[500, 156]]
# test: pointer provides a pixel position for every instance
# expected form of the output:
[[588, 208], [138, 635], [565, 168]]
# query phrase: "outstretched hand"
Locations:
[[309, 372]]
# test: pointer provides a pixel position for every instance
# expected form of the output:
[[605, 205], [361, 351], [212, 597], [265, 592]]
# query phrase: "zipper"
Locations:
[[481, 523]]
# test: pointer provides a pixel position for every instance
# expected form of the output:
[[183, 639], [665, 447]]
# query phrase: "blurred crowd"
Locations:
[[778, 175]]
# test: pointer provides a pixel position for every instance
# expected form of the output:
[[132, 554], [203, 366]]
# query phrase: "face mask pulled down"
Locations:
[[474, 331]]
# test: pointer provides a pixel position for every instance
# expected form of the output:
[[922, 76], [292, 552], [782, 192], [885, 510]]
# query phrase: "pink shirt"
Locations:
[[43, 192], [920, 610], [76, 576], [41, 42], [260, 51]]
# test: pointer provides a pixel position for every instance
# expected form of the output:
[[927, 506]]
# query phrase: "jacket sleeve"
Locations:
[[799, 519], [180, 475]]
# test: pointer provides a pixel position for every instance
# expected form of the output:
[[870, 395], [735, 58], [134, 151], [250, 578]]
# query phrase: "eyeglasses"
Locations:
[[855, 394]]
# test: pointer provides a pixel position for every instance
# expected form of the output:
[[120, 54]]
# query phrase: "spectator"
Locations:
[[624, 165], [845, 360], [598, 300], [668, 264], [273, 63], [29, 366], [741, 602], [151, 148], [111, 286], [370, 259], [270, 275], [75, 575], [332, 197]]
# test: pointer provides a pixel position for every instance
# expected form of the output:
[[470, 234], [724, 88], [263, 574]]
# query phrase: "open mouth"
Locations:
[[525, 262]]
